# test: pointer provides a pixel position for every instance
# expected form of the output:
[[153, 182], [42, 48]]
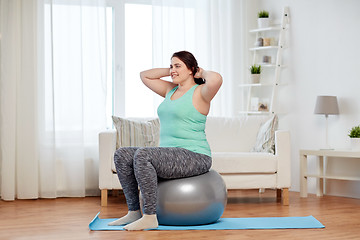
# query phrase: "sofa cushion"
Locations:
[[244, 162], [136, 132], [265, 140], [237, 134]]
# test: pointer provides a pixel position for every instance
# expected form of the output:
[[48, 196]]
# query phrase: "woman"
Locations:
[[184, 150]]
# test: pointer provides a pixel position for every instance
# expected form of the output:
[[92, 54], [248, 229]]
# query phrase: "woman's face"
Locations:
[[179, 71]]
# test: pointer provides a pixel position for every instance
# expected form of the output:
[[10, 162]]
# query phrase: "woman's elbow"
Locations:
[[215, 83], [142, 76], [219, 80]]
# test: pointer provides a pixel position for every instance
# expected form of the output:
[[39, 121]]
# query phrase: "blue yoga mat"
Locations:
[[226, 224]]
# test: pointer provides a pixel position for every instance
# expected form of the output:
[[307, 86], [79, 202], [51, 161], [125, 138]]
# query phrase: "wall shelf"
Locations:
[[261, 96], [263, 48], [254, 112], [256, 84], [273, 28]]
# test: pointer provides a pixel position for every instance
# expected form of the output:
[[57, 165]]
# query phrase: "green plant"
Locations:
[[355, 132], [263, 14], [255, 69]]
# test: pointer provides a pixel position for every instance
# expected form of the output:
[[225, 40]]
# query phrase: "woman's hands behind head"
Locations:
[[199, 73]]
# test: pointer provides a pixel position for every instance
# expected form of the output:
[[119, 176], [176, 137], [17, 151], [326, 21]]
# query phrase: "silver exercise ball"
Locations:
[[191, 201]]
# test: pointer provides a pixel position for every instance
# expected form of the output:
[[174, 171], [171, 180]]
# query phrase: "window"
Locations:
[[123, 34], [75, 60], [132, 48], [138, 57]]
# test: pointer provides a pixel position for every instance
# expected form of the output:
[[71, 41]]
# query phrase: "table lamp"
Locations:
[[326, 105]]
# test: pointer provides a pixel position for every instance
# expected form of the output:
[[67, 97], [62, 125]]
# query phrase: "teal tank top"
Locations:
[[181, 125]]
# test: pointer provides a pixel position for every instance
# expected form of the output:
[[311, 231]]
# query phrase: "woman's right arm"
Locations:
[[152, 79]]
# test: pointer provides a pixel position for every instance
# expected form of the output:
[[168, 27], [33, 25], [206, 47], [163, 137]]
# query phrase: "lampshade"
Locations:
[[326, 105]]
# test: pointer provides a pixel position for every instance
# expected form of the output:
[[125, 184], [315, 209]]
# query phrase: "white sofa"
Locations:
[[231, 141]]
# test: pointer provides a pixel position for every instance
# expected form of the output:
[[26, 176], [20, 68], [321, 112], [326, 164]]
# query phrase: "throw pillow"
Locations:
[[136, 133], [265, 140]]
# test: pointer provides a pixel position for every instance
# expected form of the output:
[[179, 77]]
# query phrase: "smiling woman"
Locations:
[[183, 150]]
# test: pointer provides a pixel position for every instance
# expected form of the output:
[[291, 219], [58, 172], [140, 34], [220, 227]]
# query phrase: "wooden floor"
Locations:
[[68, 218]]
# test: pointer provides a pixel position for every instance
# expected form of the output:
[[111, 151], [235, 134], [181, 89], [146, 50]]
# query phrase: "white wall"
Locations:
[[323, 59]]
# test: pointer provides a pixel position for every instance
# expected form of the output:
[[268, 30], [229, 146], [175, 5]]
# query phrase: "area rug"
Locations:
[[98, 224]]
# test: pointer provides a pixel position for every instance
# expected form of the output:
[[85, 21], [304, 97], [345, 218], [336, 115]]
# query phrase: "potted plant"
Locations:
[[263, 19], [354, 135], [255, 71]]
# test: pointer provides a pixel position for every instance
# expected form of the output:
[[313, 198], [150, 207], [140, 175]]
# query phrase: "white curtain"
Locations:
[[73, 105], [53, 93], [18, 103], [211, 30]]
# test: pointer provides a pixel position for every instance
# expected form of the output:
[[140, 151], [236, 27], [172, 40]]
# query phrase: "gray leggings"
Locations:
[[141, 167]]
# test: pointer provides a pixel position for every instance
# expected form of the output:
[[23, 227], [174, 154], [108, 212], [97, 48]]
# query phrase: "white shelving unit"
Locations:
[[267, 89]]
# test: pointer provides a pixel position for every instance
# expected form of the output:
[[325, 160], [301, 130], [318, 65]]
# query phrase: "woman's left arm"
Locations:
[[213, 81]]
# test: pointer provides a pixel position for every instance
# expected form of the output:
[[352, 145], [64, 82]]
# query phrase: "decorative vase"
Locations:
[[267, 42], [255, 78], [263, 22], [259, 42], [355, 144]]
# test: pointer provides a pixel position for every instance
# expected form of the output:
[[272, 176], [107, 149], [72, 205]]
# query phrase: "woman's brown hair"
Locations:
[[190, 62]]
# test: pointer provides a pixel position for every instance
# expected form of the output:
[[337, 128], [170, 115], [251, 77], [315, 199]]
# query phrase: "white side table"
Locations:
[[321, 176]]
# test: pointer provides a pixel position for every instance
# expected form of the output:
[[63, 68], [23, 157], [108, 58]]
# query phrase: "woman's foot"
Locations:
[[132, 216], [146, 222]]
